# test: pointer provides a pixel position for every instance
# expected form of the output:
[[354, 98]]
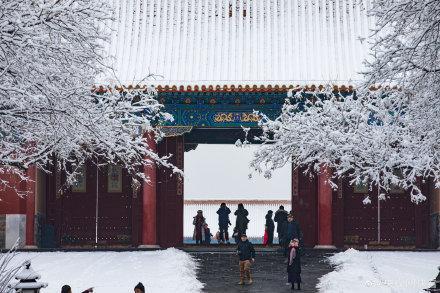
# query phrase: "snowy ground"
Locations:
[[170, 270], [380, 272]]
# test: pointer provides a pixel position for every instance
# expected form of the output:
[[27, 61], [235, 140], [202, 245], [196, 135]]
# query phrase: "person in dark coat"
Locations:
[[280, 218], [246, 254], [223, 222], [242, 221], [207, 233], [68, 289], [198, 222], [270, 227], [294, 264], [291, 230], [139, 288]]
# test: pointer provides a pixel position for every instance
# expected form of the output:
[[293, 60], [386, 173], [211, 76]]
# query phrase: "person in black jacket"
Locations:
[[242, 221], [270, 227], [223, 222], [280, 218], [246, 254]]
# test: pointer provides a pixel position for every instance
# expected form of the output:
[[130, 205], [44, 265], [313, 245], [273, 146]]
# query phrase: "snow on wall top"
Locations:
[[238, 41]]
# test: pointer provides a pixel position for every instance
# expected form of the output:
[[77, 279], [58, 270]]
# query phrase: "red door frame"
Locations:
[[304, 205], [170, 194]]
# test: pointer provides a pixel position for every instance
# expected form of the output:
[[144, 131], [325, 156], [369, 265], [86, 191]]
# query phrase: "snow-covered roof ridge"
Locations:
[[238, 41]]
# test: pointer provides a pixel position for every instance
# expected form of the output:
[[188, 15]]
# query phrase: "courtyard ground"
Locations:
[[210, 269], [219, 271]]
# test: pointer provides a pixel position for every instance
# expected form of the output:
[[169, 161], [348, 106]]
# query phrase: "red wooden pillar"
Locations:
[[149, 203], [325, 210], [31, 173]]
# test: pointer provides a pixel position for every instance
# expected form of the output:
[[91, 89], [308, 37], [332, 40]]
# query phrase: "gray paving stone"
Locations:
[[219, 272]]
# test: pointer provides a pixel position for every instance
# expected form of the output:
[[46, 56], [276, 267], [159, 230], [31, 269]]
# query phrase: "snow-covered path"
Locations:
[[380, 272], [165, 271]]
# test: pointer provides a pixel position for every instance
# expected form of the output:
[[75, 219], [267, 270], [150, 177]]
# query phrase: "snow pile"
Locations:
[[387, 272], [170, 270]]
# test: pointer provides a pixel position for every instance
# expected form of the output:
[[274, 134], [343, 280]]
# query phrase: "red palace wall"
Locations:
[[153, 215], [17, 212]]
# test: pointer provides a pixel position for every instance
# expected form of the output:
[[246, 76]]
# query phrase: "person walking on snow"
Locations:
[[223, 222], [246, 254], [198, 222]]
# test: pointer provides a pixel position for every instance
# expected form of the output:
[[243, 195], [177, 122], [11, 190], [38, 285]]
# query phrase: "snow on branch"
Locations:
[[385, 135], [349, 134], [51, 53]]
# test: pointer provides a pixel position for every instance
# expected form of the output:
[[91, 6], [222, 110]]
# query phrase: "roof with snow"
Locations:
[[238, 42]]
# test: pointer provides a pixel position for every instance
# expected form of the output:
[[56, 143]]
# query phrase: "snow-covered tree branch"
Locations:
[[384, 136], [51, 52]]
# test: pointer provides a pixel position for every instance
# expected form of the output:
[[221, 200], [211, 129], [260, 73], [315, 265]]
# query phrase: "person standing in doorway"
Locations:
[[207, 234], [280, 219], [246, 254], [270, 227], [223, 222], [198, 222], [242, 221]]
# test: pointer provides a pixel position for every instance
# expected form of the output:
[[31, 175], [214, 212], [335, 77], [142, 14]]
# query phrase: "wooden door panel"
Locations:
[[78, 212], [115, 211]]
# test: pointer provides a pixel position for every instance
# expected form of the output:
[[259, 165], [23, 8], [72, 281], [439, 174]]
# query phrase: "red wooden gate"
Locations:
[[399, 219], [74, 211], [360, 220], [170, 195]]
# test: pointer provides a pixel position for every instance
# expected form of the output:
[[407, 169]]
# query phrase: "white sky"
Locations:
[[221, 172]]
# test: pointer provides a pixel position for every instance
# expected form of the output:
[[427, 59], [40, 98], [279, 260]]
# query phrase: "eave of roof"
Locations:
[[230, 88]]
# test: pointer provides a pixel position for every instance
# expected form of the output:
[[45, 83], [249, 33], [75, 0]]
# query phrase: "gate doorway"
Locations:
[[217, 173]]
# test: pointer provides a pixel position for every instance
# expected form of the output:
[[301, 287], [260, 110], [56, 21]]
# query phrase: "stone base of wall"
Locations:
[[15, 229], [435, 230], [2, 230]]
